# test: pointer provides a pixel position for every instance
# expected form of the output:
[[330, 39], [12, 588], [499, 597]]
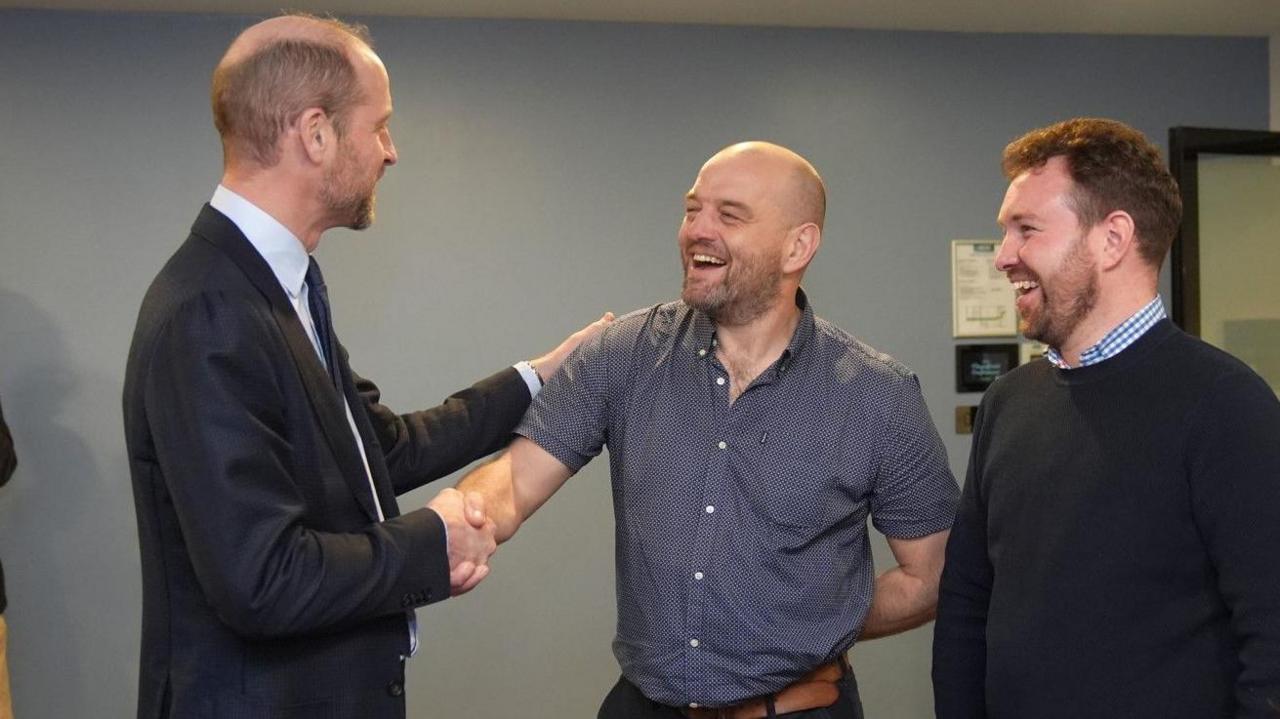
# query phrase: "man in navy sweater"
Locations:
[[1116, 548]]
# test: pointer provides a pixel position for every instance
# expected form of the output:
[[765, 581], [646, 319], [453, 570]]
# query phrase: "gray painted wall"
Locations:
[[542, 166]]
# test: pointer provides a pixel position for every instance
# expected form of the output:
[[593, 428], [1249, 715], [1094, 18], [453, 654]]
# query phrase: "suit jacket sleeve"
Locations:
[[469, 424], [267, 561]]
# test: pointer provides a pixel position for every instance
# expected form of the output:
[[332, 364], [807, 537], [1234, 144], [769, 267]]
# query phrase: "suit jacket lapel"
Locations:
[[215, 228]]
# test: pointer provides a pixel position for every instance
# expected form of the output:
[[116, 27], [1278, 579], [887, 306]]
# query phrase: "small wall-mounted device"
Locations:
[[977, 366]]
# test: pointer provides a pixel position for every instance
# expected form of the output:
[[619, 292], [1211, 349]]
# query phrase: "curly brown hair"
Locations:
[[1113, 167]]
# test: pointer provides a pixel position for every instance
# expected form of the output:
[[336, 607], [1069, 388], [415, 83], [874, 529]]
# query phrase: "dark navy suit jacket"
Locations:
[[269, 587]]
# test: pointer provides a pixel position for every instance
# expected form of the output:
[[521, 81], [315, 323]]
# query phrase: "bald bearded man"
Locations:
[[749, 441], [279, 577]]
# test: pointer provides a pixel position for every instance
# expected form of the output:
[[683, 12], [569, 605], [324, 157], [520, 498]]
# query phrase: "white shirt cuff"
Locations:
[[529, 376]]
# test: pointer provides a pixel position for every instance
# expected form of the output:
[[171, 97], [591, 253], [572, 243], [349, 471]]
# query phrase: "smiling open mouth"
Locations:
[[701, 260]]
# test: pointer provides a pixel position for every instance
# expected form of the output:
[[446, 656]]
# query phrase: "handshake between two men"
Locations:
[[487, 493], [471, 537]]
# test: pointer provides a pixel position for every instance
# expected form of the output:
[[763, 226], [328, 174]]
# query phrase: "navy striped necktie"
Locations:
[[318, 300]]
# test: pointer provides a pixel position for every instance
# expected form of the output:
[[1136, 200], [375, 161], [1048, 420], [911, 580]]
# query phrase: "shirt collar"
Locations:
[[1118, 339], [804, 329], [704, 332], [282, 251]]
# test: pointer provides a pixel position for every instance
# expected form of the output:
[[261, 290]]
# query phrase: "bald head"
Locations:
[[300, 28], [799, 189], [274, 71], [752, 224]]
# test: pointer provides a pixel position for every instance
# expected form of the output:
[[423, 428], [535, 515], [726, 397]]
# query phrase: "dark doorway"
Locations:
[[1226, 259]]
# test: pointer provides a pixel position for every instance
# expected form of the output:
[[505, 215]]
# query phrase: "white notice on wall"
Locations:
[[981, 296]]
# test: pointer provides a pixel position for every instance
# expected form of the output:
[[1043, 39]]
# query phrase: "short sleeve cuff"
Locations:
[[553, 446], [914, 528]]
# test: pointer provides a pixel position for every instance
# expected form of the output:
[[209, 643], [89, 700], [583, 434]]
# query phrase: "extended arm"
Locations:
[[907, 595], [516, 484], [512, 487], [477, 421], [429, 444], [422, 446]]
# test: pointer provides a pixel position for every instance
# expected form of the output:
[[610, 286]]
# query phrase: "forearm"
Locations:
[[493, 481], [907, 595], [515, 484], [425, 445], [901, 602]]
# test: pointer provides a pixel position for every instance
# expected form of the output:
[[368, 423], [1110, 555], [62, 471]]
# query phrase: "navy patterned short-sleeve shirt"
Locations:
[[742, 550]]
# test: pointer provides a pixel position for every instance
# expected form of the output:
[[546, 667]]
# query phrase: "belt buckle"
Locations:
[[709, 712]]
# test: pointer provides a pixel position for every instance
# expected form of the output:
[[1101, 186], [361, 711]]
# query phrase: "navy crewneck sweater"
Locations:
[[1117, 548]]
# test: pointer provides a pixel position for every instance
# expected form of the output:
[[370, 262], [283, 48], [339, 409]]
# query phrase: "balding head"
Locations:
[[274, 71], [799, 190]]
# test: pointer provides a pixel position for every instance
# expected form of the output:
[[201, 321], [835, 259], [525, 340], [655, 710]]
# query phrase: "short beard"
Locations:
[[348, 209], [741, 298], [362, 214], [1054, 325], [349, 206]]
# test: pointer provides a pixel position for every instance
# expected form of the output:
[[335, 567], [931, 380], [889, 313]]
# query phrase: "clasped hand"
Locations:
[[471, 537]]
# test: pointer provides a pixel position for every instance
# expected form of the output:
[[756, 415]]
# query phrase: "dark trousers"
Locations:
[[626, 702]]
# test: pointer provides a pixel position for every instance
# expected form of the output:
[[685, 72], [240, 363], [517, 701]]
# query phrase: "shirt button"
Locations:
[[722, 445], [395, 689], [693, 642], [710, 509], [702, 353], [697, 576], [694, 705], [720, 380]]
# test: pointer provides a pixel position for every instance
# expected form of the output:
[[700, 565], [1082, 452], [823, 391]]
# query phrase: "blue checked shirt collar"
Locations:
[[1115, 341]]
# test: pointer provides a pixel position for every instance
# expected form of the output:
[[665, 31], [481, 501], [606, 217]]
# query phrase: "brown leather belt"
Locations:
[[819, 688]]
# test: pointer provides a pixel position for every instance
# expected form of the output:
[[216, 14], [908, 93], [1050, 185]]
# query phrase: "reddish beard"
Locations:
[[1074, 294]]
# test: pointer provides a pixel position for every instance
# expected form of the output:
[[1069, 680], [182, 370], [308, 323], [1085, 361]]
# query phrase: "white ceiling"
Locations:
[[1179, 17]]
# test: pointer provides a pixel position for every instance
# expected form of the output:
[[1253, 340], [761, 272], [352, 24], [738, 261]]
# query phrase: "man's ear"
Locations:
[[1119, 238], [315, 134], [802, 245]]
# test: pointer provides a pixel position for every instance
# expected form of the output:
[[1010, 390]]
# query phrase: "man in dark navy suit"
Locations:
[[279, 577]]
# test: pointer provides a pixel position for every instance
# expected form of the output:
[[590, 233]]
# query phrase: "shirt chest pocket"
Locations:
[[791, 481]]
